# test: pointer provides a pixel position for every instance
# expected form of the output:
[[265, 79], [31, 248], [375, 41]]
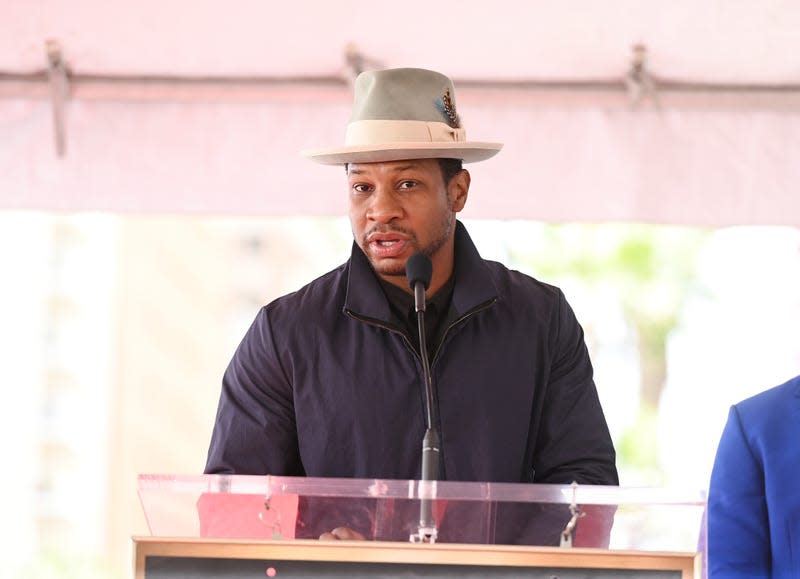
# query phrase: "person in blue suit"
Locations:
[[754, 493]]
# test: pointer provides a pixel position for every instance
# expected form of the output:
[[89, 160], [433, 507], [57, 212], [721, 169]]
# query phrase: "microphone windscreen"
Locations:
[[419, 269]]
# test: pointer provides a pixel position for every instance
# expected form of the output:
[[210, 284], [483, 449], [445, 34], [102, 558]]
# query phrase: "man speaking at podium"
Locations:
[[329, 381]]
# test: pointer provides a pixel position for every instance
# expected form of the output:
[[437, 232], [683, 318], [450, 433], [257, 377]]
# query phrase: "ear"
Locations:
[[458, 190]]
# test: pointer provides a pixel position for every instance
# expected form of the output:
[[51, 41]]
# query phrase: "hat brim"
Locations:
[[466, 151]]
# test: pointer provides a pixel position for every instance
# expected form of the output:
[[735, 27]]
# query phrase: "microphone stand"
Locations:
[[427, 531]]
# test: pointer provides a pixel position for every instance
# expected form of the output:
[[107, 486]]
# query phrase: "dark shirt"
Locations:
[[438, 313]]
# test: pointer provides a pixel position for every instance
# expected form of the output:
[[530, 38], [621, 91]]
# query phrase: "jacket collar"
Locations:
[[473, 284]]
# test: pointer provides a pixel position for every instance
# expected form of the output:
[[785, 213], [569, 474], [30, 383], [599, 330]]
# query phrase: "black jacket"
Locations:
[[324, 384]]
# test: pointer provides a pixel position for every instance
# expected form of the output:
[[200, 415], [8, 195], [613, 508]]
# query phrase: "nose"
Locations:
[[384, 206]]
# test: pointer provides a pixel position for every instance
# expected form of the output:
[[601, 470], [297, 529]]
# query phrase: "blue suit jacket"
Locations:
[[754, 495]]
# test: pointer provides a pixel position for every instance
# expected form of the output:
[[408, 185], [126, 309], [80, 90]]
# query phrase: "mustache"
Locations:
[[384, 229]]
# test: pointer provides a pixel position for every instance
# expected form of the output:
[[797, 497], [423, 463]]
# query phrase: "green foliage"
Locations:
[[637, 449], [651, 270], [60, 563]]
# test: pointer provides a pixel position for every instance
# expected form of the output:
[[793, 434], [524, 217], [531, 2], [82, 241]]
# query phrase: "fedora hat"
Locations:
[[404, 113]]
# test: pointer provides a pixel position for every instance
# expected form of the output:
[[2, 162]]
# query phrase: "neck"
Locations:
[[439, 278], [442, 270]]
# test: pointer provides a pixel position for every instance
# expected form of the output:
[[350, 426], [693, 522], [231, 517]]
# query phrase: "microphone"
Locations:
[[419, 271]]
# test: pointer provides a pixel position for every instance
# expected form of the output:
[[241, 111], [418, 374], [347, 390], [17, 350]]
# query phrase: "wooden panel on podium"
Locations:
[[158, 558]]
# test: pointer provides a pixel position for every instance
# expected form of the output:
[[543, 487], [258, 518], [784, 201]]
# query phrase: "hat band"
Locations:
[[373, 132]]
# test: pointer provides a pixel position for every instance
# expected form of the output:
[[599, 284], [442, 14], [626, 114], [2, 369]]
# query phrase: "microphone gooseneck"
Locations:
[[419, 271]]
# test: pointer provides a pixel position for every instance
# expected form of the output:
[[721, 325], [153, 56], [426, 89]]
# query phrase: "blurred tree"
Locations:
[[651, 269]]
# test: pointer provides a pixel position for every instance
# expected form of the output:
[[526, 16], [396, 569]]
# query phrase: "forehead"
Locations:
[[391, 167]]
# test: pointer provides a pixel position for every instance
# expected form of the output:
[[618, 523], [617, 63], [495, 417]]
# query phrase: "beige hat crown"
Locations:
[[404, 113]]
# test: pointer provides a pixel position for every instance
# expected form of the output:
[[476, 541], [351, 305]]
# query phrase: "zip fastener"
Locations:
[[409, 346], [380, 324], [396, 330], [469, 314]]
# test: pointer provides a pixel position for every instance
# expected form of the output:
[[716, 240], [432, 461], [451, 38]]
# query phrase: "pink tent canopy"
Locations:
[[203, 107]]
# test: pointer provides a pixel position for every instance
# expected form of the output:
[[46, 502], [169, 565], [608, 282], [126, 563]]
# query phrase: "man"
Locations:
[[753, 500], [328, 380]]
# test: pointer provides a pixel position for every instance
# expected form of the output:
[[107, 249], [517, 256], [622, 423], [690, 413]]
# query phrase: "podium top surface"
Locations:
[[272, 507]]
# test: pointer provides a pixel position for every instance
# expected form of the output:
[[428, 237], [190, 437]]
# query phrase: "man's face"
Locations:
[[401, 207]]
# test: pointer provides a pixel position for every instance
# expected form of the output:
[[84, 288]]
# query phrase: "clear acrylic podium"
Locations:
[[220, 526]]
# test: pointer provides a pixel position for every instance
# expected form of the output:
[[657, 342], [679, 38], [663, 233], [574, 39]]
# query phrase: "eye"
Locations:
[[407, 184], [360, 188]]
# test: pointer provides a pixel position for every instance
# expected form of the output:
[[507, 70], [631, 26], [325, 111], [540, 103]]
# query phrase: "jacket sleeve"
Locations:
[[738, 527], [255, 430], [573, 443]]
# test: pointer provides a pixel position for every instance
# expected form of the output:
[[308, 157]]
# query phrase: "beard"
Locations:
[[442, 235]]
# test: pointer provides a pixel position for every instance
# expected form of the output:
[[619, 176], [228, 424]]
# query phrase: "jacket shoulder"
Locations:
[[312, 298], [512, 283], [766, 403], [771, 415]]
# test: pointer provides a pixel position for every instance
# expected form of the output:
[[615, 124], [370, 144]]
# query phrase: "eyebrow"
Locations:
[[398, 169]]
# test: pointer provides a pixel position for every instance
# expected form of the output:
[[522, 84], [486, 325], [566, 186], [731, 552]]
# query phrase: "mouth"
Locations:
[[387, 245]]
